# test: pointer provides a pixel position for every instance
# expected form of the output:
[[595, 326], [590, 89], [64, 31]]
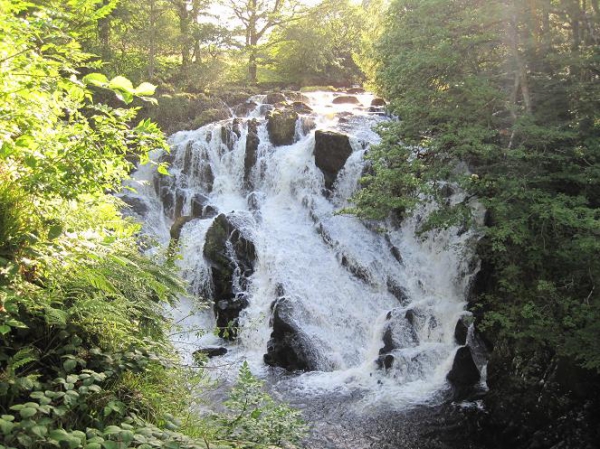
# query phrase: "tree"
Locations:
[[258, 17], [511, 89], [320, 48]]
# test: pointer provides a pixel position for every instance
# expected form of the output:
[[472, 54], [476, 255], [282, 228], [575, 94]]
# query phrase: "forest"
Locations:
[[489, 105]]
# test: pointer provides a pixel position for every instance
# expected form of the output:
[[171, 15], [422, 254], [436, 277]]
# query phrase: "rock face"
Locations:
[[378, 102], [231, 257], [346, 99], [332, 149], [136, 205], [461, 331], [281, 126], [288, 347], [464, 374]]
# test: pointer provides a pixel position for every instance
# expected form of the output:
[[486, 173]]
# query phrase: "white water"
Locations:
[[304, 247]]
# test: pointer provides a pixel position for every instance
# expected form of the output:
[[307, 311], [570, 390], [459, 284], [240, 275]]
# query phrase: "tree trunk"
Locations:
[[152, 40]]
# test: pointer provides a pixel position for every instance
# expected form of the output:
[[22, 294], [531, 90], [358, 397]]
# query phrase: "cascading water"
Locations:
[[365, 310]]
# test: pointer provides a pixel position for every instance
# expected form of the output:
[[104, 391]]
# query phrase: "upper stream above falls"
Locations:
[[360, 310]]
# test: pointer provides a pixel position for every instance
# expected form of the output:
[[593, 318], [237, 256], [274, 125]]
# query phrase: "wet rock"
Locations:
[[281, 126], [461, 330], [198, 203], [464, 372], [378, 102], [243, 109], [178, 225], [301, 108], [356, 90], [385, 361], [388, 341], [211, 351], [136, 205], [397, 291], [230, 133], [332, 150], [229, 254], [275, 97], [355, 269], [346, 99], [288, 347], [209, 211], [297, 96], [252, 142]]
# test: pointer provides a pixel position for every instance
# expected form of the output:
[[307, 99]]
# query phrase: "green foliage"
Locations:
[[320, 48], [252, 415], [502, 100]]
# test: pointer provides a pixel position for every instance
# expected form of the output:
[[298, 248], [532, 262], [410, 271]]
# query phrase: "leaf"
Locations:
[[55, 232], [59, 435], [28, 412], [162, 169], [95, 79], [69, 365], [145, 89], [121, 83], [4, 329]]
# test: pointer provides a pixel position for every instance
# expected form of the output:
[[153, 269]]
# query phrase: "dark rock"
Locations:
[[355, 269], [388, 341], [301, 108], [228, 301], [297, 96], [197, 205], [178, 225], [252, 142], [230, 133], [461, 331], [209, 212], [209, 116], [464, 372], [275, 97], [136, 205], [385, 361], [346, 99], [397, 291], [211, 351], [243, 109], [281, 126], [288, 347], [332, 149], [378, 102], [356, 90]]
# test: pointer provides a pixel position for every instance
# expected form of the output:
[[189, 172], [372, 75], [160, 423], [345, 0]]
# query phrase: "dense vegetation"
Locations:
[[84, 351], [512, 89]]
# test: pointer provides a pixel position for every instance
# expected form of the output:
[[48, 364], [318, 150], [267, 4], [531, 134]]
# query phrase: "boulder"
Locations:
[[211, 351], [252, 142], [356, 90], [301, 108], [297, 96], [346, 99], [243, 109], [385, 361], [288, 347], [228, 299], [275, 97], [230, 133], [198, 203], [378, 102], [308, 124], [464, 372], [281, 126], [332, 149]]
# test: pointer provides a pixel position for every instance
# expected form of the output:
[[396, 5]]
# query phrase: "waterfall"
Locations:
[[351, 305]]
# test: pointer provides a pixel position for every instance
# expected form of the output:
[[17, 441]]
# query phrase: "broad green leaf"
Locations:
[[4, 329], [121, 83], [145, 89], [54, 232], [28, 412], [96, 79]]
